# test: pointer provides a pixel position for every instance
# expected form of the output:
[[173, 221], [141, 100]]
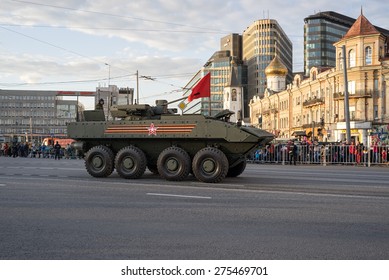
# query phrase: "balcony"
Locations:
[[319, 124], [314, 101], [353, 119], [358, 94], [270, 111], [338, 95], [309, 125]]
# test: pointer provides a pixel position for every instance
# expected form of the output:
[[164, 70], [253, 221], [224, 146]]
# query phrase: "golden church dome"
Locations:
[[276, 68]]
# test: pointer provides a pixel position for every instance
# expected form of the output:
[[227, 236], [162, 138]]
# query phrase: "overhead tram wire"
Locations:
[[113, 28], [50, 44], [63, 49], [81, 55], [78, 54], [117, 16], [64, 82], [204, 29]]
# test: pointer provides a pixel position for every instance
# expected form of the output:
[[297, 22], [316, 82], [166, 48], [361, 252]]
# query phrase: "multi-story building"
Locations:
[[33, 114], [261, 41], [219, 65], [315, 106], [232, 43], [321, 31], [250, 53]]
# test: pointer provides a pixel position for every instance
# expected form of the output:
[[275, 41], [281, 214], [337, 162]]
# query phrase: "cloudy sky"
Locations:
[[81, 44]]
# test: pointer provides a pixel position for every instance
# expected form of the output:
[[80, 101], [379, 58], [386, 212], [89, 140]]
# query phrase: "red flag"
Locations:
[[202, 89]]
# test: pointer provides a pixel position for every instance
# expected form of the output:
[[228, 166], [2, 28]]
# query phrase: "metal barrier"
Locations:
[[322, 154]]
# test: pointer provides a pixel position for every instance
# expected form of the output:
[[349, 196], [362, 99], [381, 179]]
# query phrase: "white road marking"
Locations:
[[179, 195], [2, 185], [221, 185]]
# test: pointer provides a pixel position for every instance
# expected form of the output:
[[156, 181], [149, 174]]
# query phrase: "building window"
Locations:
[[340, 61], [351, 87], [352, 113], [233, 95], [375, 83], [368, 56], [376, 112], [351, 58]]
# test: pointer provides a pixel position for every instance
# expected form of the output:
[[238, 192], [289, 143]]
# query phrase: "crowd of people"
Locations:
[[32, 150], [292, 152], [306, 152]]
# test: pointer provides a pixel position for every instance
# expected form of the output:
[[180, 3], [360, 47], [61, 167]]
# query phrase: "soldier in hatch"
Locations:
[[100, 104]]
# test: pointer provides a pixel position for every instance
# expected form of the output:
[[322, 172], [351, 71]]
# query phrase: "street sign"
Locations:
[[182, 105]]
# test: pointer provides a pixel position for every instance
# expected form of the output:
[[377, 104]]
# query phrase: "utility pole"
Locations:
[[109, 73], [346, 100], [30, 130], [313, 131], [137, 87]]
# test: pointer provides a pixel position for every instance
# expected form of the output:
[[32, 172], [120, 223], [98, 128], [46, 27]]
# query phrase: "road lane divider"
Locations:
[[179, 195]]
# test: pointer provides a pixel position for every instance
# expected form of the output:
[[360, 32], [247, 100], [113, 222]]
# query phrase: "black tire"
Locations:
[[174, 164], [130, 162], [237, 169], [210, 165], [111, 155], [99, 161]]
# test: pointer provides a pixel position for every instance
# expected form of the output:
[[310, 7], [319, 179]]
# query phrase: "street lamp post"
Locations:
[[109, 90], [346, 100], [109, 73]]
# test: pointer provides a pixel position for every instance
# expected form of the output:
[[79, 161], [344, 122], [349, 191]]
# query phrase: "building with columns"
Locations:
[[314, 106]]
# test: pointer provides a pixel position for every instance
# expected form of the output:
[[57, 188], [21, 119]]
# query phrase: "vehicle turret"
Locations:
[[141, 111]]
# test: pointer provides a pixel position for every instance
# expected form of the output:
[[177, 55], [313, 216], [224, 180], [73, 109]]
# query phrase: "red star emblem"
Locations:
[[152, 129]]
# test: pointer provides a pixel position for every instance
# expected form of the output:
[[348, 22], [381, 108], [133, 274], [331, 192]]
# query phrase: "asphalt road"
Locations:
[[54, 210]]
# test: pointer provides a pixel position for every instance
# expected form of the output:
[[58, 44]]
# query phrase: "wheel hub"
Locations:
[[209, 165], [97, 162], [172, 164], [128, 163]]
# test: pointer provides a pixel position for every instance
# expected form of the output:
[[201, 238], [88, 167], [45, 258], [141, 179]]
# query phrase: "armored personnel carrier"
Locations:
[[167, 143]]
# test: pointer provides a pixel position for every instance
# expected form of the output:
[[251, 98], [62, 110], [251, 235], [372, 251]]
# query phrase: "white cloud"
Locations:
[[125, 34]]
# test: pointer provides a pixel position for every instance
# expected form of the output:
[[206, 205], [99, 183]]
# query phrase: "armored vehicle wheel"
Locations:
[[173, 164], [99, 161], [130, 162], [210, 165], [111, 156], [237, 169]]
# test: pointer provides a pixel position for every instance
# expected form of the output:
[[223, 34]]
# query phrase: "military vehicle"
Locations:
[[167, 143]]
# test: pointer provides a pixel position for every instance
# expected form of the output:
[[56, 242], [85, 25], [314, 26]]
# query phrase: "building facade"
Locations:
[[321, 31], [220, 65], [232, 43], [315, 106], [250, 53], [261, 41], [32, 115]]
